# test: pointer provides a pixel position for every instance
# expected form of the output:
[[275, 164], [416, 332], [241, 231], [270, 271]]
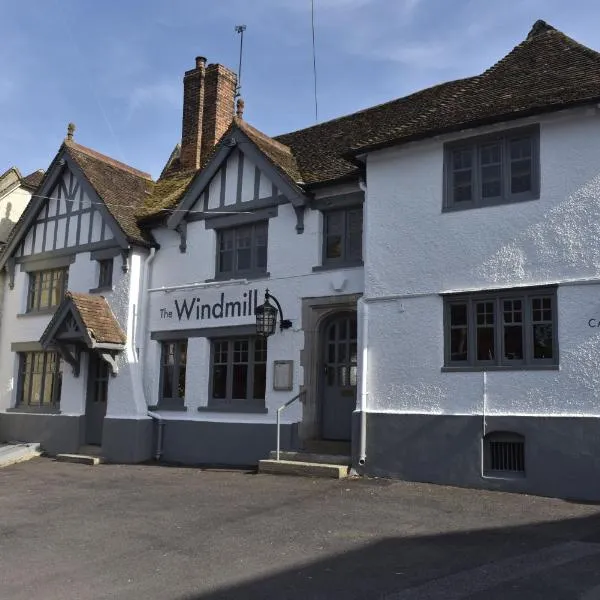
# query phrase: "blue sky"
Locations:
[[115, 67]]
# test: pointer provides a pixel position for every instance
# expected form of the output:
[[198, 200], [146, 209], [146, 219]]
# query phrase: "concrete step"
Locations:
[[305, 469], [327, 447], [18, 452], [82, 459], [321, 459], [90, 450]]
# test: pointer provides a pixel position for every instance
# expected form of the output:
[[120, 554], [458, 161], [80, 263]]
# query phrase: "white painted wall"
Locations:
[[125, 395], [412, 248], [291, 258]]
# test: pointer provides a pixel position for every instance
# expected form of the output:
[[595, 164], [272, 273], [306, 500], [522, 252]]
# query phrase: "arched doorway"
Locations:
[[339, 357]]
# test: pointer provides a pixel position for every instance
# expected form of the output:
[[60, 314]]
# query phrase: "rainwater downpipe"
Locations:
[[141, 348], [364, 389]]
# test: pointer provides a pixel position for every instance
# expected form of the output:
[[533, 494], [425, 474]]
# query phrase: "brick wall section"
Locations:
[[193, 109], [219, 97]]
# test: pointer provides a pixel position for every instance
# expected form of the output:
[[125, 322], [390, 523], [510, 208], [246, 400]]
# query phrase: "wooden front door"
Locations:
[[338, 389], [97, 396]]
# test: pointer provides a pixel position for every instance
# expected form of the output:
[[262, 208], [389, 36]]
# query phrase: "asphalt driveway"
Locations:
[[147, 532]]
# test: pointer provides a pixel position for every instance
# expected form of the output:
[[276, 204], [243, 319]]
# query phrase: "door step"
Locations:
[[307, 457], [81, 459], [327, 447], [306, 469], [12, 453], [90, 450]]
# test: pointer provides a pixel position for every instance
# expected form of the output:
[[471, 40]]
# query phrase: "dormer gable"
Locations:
[[247, 172]]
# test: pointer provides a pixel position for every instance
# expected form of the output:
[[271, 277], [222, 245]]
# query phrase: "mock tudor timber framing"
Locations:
[[196, 192], [61, 162]]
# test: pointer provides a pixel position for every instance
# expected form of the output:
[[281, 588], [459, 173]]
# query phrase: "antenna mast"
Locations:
[[240, 29], [314, 53]]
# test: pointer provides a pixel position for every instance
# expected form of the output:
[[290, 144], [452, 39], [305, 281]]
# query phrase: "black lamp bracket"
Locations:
[[283, 323]]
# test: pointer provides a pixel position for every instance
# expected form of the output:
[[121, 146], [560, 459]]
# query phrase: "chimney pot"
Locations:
[[200, 62]]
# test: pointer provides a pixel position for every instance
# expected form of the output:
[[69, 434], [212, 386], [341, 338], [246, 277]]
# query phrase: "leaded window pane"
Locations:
[[458, 332], [507, 330], [243, 249], [512, 315], [491, 170], [485, 331], [343, 235], [46, 288], [173, 370], [542, 328], [39, 379], [462, 170], [521, 165]]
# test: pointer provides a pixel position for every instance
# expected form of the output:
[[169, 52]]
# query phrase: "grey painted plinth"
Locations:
[[127, 440], [562, 454], [234, 444], [55, 433]]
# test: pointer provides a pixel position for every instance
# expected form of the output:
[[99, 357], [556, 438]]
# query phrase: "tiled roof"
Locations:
[[122, 188], [33, 180], [547, 71], [98, 318]]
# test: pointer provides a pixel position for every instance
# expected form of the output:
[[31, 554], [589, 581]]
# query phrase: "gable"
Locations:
[[230, 181], [68, 218], [239, 180]]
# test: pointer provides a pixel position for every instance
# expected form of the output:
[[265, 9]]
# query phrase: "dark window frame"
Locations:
[[173, 401], [34, 292], [250, 403], [105, 273], [344, 258], [27, 372], [499, 362], [254, 229], [474, 146]]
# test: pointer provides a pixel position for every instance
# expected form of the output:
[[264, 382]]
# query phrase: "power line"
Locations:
[[312, 19]]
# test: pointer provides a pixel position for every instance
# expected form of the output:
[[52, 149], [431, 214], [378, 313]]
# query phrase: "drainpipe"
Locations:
[[364, 390], [141, 349], [142, 316]]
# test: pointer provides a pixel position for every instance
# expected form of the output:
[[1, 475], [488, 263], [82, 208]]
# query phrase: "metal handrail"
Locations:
[[279, 411]]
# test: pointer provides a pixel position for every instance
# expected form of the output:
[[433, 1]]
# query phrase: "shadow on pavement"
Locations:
[[552, 560]]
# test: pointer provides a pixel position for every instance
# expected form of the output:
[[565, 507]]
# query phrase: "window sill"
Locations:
[[108, 288], [339, 265], [238, 408], [480, 369], [40, 410], [489, 204], [169, 407], [36, 313], [239, 277]]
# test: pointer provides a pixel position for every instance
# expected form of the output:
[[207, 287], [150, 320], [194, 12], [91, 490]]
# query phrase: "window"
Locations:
[[105, 273], [493, 169], [172, 373], [239, 371], [342, 236], [46, 288], [514, 329], [503, 454], [242, 251], [39, 379]]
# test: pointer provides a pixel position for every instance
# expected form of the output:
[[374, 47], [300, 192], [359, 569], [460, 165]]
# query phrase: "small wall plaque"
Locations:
[[283, 375]]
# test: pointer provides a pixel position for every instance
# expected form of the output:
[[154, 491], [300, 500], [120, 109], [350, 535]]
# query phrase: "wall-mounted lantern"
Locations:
[[266, 317]]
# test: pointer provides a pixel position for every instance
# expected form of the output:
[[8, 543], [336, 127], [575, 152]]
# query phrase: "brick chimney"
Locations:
[[208, 105]]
